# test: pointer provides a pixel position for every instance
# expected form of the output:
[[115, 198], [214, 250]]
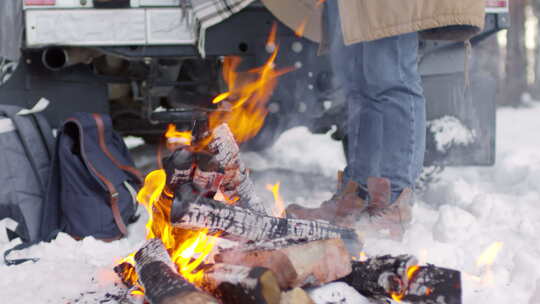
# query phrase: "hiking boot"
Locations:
[[391, 220], [343, 209]]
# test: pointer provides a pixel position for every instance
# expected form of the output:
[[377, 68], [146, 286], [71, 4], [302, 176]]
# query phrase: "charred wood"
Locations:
[[161, 282], [382, 277], [379, 277], [434, 285], [126, 272], [192, 211], [233, 284], [310, 264], [236, 182]]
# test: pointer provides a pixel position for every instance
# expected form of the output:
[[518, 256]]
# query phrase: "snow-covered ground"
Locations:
[[455, 221]]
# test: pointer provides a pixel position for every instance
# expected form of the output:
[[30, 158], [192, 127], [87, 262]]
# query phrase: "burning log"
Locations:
[[309, 264], [192, 211], [402, 279], [434, 285], [233, 284], [236, 183], [161, 282]]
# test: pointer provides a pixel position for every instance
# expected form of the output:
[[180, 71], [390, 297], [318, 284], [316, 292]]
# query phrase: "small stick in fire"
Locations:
[[236, 183], [233, 284], [298, 265], [161, 282], [191, 211]]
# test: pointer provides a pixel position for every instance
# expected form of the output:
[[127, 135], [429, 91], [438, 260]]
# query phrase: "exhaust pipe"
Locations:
[[56, 58]]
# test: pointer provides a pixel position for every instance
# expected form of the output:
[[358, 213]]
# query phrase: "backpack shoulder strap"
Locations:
[[103, 146], [46, 133], [113, 193], [17, 122]]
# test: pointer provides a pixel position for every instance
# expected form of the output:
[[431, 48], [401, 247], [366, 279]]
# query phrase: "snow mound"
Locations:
[[337, 293]]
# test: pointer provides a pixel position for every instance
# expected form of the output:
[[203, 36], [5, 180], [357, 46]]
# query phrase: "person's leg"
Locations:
[[390, 137]]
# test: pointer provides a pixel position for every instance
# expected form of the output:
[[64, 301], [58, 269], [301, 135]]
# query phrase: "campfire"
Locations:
[[212, 239]]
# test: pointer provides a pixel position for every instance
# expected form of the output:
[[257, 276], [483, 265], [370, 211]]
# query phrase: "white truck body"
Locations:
[[147, 22]]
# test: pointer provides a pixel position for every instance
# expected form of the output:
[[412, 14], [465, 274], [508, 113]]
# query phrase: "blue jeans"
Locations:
[[386, 124]]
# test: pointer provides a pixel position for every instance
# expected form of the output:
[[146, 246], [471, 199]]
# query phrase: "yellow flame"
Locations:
[[362, 256], [279, 210], [176, 137], [192, 253], [247, 96], [489, 255], [398, 297]]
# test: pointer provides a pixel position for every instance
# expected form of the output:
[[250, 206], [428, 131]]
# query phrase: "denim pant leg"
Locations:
[[386, 117], [387, 112]]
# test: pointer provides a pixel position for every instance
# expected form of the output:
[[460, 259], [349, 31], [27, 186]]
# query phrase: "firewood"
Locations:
[[275, 260], [233, 284], [236, 182], [381, 277], [192, 211], [296, 296], [309, 264], [179, 167], [434, 285], [124, 271], [161, 282]]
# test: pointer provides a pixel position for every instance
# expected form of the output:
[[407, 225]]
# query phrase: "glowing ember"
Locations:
[[410, 275], [489, 255], [279, 210]]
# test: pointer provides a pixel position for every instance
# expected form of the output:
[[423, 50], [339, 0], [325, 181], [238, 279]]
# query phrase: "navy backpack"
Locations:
[[93, 183]]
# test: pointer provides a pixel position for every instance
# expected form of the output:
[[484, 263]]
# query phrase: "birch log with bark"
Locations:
[[309, 264], [233, 284], [236, 183], [192, 211], [161, 282]]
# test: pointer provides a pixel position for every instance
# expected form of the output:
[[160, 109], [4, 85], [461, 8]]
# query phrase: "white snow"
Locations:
[[449, 131], [454, 222], [337, 293]]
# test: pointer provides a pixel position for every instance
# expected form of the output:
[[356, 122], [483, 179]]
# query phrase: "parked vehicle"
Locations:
[[142, 63]]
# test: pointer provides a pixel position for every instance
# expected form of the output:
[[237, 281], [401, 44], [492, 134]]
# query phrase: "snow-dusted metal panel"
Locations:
[[137, 3], [82, 27], [63, 4], [170, 26]]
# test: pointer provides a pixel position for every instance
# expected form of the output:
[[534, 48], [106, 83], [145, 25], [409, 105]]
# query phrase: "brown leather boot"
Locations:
[[391, 220], [343, 209]]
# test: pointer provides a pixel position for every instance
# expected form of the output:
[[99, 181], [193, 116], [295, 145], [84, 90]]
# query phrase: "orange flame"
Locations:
[[175, 137], [410, 275], [248, 94], [301, 29], [244, 111], [279, 210], [489, 255], [188, 249]]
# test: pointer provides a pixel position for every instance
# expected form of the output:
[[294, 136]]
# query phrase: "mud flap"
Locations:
[[461, 127]]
